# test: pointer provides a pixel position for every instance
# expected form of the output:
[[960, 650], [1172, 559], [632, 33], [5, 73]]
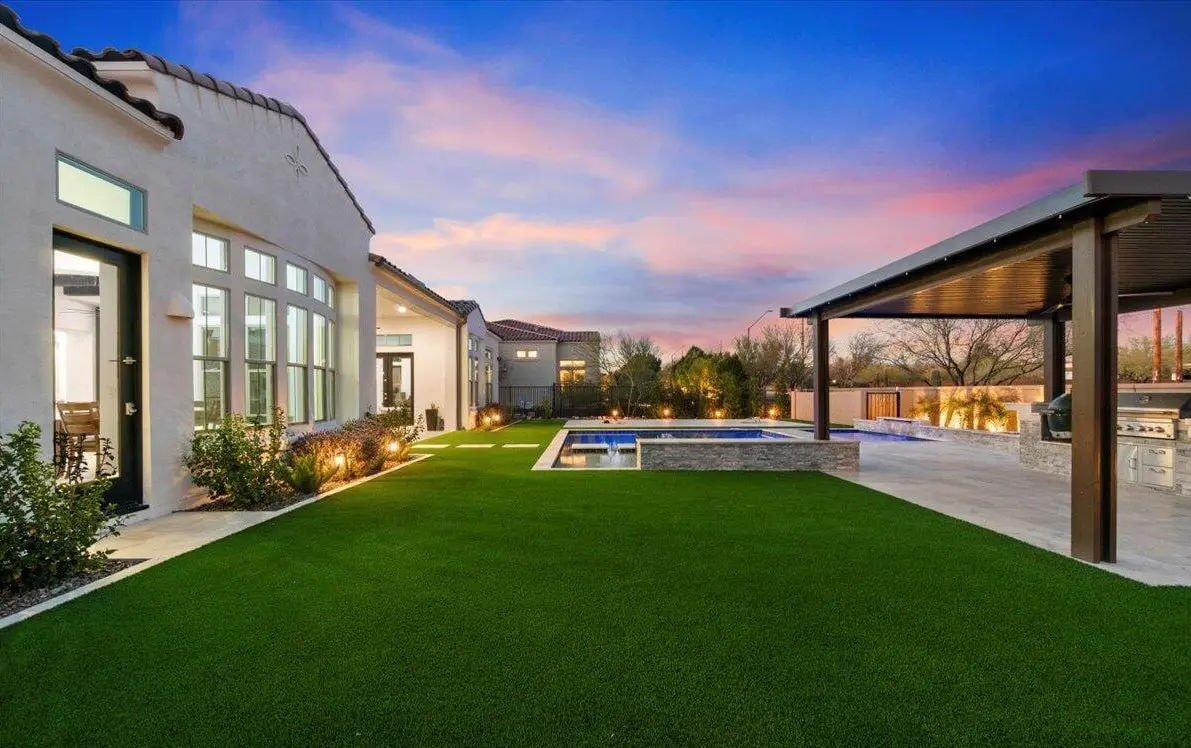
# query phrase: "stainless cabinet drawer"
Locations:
[[1162, 477], [1157, 456]]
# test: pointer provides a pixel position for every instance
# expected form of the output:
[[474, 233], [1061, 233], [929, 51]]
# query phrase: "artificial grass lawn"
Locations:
[[466, 600]]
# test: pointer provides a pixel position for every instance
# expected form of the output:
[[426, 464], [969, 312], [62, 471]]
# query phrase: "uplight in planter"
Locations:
[[719, 414], [773, 412], [340, 460], [487, 420], [615, 413], [393, 446], [666, 412]]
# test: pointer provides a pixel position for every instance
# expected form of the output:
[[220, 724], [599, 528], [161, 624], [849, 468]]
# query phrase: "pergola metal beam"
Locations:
[[822, 378], [1094, 394]]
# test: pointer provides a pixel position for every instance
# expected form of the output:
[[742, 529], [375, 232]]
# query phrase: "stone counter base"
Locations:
[[748, 454]]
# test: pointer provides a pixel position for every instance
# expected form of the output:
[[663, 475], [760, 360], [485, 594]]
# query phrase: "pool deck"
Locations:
[[992, 490]]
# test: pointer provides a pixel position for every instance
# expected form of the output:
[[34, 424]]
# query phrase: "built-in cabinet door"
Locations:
[[1128, 463]]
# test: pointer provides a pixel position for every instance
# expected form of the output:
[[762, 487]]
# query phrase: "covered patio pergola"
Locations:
[[1118, 241]]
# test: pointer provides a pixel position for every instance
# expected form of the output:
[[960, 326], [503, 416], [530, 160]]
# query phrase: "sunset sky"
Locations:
[[675, 170]]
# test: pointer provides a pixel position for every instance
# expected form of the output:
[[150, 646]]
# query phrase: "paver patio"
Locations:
[[992, 490]]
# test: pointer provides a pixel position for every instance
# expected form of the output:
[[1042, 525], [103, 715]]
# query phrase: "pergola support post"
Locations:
[[1054, 359], [1094, 394], [821, 376]]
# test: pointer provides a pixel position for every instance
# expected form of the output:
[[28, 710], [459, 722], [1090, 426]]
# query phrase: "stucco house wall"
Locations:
[[230, 173], [528, 372]]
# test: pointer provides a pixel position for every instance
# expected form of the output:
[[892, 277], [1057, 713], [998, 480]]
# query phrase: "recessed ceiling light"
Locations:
[[401, 309]]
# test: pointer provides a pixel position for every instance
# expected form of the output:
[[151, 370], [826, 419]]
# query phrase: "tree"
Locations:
[[631, 364], [779, 359], [965, 352], [865, 349], [1135, 359]]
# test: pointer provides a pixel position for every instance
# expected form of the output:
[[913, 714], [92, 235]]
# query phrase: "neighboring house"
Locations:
[[482, 349], [539, 356], [174, 248]]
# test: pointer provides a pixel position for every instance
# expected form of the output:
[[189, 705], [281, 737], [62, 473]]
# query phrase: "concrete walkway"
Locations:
[[992, 490]]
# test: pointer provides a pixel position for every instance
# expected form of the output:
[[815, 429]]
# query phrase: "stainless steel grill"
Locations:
[[1152, 415]]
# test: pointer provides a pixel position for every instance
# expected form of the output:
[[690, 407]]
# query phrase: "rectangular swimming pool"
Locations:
[[618, 448]]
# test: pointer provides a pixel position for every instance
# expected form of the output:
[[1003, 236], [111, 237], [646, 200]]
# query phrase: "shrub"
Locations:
[[242, 462], [306, 476], [927, 407], [369, 445], [47, 526], [490, 417]]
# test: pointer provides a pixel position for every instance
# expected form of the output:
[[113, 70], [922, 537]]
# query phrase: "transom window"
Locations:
[[98, 192], [394, 340], [531, 353], [260, 266], [296, 279], [209, 251], [570, 363]]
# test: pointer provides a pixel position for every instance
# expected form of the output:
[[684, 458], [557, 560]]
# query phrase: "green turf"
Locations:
[[466, 600]]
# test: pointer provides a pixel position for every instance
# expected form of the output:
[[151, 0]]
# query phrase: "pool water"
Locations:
[[617, 449]]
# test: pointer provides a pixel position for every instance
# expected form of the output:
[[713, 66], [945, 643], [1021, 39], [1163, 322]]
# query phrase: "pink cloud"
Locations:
[[498, 231]]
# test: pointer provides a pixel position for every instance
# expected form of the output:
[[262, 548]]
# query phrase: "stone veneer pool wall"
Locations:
[[748, 454]]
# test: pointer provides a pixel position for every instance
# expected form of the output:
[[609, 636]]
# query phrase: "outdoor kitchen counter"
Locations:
[[1158, 464]]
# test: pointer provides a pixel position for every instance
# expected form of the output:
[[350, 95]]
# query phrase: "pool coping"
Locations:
[[549, 456]]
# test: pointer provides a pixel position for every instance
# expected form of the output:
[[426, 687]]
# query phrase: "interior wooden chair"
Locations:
[[80, 422]]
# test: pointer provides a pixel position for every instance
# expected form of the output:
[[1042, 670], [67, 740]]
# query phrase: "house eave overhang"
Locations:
[[60, 65]]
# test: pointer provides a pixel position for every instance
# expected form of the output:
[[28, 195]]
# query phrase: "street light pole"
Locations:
[[749, 330]]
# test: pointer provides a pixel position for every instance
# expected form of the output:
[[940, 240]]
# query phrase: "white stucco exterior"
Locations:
[[228, 176]]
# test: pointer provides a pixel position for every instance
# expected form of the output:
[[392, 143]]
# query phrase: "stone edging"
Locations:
[[69, 595]]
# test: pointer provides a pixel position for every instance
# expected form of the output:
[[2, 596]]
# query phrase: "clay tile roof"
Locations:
[[82, 65], [182, 72], [465, 306], [517, 330]]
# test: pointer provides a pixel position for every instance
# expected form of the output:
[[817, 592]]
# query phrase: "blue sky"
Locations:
[[675, 169]]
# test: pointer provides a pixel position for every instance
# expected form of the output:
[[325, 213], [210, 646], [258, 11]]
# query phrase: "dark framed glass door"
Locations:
[[97, 355], [395, 380]]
